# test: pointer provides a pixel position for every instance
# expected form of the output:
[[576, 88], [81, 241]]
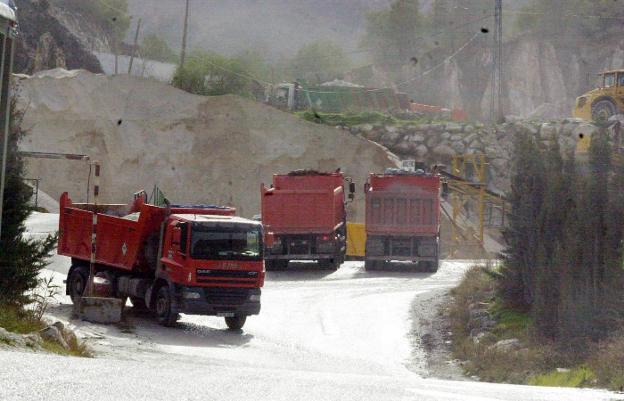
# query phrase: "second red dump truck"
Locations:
[[304, 218], [402, 219], [177, 259]]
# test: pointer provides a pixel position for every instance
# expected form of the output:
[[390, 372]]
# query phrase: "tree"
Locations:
[[393, 33], [112, 15], [319, 62], [21, 259], [155, 48], [211, 74], [564, 256], [255, 64]]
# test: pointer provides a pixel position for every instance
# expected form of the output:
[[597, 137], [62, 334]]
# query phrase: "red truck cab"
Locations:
[[304, 218], [402, 219], [179, 259]]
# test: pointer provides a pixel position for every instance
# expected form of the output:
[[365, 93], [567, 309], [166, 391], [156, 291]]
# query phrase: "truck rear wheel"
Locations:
[[235, 322], [164, 314], [430, 267], [275, 265], [138, 304], [328, 264], [77, 283], [371, 265]]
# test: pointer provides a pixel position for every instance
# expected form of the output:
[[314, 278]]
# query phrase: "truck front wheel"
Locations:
[[164, 314], [235, 322]]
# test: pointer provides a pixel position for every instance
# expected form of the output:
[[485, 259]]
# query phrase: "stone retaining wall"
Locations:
[[439, 142]]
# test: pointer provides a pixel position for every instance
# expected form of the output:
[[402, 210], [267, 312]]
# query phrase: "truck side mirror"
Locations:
[[366, 188]]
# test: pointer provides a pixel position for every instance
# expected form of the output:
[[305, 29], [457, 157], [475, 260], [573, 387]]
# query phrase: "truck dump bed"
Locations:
[[303, 203], [122, 230], [403, 204]]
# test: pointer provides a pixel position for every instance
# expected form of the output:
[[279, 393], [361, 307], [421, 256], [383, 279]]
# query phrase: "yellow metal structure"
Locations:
[[468, 193], [603, 102], [356, 240]]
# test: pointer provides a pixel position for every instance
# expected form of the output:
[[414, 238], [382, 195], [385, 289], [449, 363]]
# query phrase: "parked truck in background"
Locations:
[[402, 219], [176, 259], [304, 218]]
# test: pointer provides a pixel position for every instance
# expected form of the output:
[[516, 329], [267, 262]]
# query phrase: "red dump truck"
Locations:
[[304, 218], [177, 259], [402, 219]]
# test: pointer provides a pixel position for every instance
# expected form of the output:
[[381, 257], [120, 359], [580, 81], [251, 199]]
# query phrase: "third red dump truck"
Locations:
[[402, 219], [174, 259], [304, 218]]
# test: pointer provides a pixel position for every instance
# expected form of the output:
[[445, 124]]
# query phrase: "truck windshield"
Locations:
[[222, 242]]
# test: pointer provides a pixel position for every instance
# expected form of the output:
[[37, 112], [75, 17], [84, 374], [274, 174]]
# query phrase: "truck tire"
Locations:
[[235, 322], [602, 110], [370, 265], [77, 283], [429, 267], [328, 264], [138, 304], [275, 265], [164, 314]]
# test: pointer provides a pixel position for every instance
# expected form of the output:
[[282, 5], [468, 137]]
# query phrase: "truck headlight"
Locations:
[[254, 297]]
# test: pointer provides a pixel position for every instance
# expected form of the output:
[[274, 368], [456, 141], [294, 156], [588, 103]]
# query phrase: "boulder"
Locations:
[[52, 333], [509, 345], [10, 338], [454, 127], [421, 151], [444, 150]]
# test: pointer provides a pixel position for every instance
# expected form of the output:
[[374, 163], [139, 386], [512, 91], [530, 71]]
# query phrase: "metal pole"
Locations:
[[37, 193], [496, 111], [96, 193], [135, 47], [184, 34], [5, 80]]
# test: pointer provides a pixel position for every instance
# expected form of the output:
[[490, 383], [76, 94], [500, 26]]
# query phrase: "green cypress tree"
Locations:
[[21, 259]]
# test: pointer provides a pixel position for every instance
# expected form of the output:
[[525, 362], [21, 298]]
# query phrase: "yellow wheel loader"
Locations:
[[603, 102]]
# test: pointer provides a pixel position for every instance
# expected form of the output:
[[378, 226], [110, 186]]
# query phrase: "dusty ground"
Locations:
[[344, 335], [196, 149], [431, 332]]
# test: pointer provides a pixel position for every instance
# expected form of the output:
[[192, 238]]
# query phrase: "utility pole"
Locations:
[[496, 107], [135, 46], [184, 34], [6, 69]]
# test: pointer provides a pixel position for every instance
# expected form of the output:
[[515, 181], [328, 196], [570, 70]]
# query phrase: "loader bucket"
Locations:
[[100, 310]]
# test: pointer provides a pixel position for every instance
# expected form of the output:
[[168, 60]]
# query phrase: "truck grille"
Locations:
[[227, 296], [207, 274]]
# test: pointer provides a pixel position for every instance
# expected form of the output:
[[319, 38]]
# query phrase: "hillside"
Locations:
[[278, 27], [196, 149]]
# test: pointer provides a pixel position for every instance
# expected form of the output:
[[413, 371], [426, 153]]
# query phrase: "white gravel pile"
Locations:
[[196, 149]]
